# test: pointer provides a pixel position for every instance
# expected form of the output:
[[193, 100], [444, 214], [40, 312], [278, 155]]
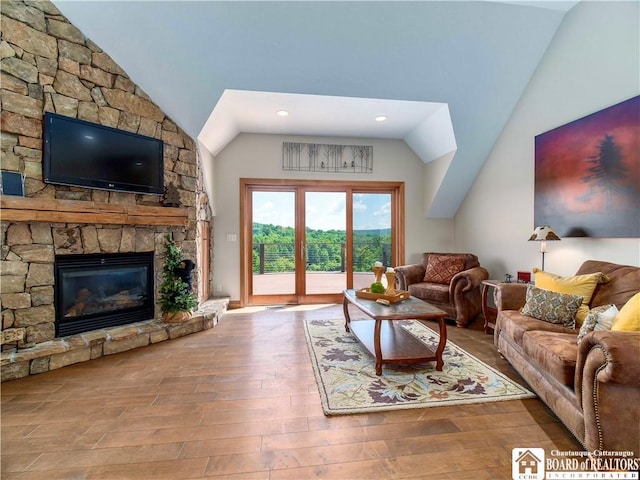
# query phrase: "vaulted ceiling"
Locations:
[[446, 73]]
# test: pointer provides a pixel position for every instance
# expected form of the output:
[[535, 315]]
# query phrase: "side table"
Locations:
[[488, 312]]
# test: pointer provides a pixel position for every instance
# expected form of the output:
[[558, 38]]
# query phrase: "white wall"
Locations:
[[260, 156], [592, 63], [207, 161]]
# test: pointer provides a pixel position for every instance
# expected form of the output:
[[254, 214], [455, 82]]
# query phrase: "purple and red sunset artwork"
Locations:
[[587, 174]]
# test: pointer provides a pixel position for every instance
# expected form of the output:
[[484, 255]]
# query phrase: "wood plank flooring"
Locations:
[[240, 401]]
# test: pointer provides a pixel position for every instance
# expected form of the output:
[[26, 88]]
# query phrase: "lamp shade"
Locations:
[[544, 232]]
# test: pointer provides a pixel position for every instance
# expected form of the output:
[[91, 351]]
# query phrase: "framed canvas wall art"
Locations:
[[587, 174]]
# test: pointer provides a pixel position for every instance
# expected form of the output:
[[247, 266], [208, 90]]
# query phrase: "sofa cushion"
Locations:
[[430, 292], [622, 285], [555, 353], [629, 317], [582, 285], [600, 318], [514, 325], [552, 307], [442, 268]]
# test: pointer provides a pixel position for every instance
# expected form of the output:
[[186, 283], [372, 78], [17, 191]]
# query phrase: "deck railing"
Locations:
[[321, 257]]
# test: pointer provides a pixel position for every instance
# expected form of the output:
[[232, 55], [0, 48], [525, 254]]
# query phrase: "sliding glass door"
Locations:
[[305, 242], [325, 242], [273, 248], [372, 239]]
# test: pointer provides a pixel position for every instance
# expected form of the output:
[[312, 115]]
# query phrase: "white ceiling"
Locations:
[[256, 112], [218, 68]]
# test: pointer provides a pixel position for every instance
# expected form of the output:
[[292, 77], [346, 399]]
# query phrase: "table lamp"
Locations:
[[542, 234]]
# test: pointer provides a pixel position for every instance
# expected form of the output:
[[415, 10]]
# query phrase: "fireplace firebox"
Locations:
[[102, 290]]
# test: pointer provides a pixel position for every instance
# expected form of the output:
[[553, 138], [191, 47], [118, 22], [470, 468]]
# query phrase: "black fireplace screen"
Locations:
[[103, 290]]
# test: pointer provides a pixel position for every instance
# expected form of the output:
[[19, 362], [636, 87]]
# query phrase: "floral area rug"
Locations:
[[345, 373]]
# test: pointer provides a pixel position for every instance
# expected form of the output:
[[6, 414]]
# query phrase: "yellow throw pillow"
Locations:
[[583, 285], [628, 319]]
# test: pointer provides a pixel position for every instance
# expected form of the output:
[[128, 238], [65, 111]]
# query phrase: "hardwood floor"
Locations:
[[240, 401]]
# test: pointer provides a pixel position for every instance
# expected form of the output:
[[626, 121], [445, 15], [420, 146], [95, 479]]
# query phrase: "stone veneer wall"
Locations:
[[47, 65]]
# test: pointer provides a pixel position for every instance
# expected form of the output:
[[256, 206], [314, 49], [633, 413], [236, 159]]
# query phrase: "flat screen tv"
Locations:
[[86, 154]]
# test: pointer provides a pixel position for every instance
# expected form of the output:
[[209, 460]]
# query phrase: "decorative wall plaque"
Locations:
[[318, 157]]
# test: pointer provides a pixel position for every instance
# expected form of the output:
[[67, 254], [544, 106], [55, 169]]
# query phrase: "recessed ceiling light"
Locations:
[[381, 118], [282, 113]]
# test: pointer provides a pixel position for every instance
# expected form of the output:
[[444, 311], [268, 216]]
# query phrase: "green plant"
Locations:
[[377, 287], [175, 295]]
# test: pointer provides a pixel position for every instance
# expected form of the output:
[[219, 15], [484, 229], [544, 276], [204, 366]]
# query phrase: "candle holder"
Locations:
[[391, 283], [378, 271]]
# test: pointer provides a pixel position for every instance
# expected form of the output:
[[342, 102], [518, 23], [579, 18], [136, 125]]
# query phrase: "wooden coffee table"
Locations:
[[390, 343]]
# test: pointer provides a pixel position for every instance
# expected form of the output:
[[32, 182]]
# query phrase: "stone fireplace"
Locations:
[[49, 66], [37, 256]]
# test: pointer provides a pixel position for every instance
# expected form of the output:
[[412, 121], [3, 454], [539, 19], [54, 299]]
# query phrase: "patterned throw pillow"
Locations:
[[599, 318], [583, 285], [442, 268], [552, 307]]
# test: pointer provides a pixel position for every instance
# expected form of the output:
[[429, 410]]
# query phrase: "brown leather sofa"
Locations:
[[593, 387], [460, 298]]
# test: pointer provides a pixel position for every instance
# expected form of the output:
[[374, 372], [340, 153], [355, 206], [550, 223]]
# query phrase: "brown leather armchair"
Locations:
[[449, 281]]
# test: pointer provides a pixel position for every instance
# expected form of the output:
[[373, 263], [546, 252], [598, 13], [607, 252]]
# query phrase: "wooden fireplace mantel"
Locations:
[[27, 209]]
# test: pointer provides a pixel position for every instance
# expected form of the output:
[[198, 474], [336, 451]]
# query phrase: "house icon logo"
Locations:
[[527, 463]]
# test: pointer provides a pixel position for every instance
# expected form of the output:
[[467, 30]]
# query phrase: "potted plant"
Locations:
[[176, 298]]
